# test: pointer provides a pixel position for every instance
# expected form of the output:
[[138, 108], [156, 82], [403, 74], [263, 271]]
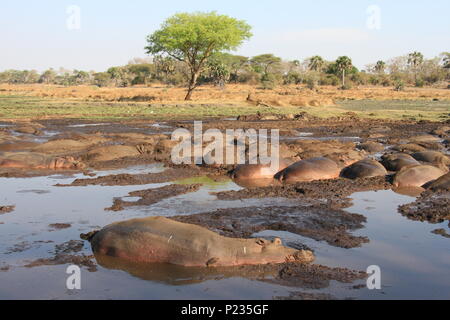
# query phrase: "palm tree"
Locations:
[[380, 66], [316, 63], [415, 59], [343, 64], [446, 60]]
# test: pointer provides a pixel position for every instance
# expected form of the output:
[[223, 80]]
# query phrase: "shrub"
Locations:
[[268, 81], [419, 83], [399, 85]]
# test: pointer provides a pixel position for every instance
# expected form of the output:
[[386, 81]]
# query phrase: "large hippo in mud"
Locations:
[[258, 171], [417, 176], [39, 162], [161, 240], [364, 169], [398, 161], [309, 170]]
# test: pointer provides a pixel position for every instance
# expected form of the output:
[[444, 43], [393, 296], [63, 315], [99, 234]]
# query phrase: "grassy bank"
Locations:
[[31, 107]]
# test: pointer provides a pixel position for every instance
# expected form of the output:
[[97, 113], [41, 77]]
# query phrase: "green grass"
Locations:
[[16, 107], [26, 107], [399, 109]]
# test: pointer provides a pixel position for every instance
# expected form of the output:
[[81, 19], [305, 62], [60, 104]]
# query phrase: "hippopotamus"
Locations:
[[371, 146], [37, 161], [258, 171], [162, 240], [432, 157], [417, 176], [364, 169], [443, 183], [398, 161], [309, 170]]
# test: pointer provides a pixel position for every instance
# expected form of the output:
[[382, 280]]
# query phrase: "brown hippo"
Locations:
[[309, 170], [161, 240], [364, 169], [417, 176], [432, 157], [258, 171], [398, 161], [443, 183], [38, 161], [371, 146]]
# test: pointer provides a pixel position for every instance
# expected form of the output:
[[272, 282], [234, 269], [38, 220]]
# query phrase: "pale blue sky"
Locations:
[[34, 33]]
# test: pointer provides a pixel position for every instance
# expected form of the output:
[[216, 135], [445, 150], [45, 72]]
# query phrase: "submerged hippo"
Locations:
[[417, 176], [35, 161], [258, 171], [398, 161], [364, 169], [161, 240], [309, 170]]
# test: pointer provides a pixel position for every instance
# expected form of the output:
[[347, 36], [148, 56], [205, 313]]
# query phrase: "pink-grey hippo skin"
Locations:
[[258, 171], [417, 176], [364, 169], [309, 170], [58, 163], [161, 240], [398, 161]]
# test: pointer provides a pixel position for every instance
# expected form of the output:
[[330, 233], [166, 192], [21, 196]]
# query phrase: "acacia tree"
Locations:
[[344, 64], [193, 38]]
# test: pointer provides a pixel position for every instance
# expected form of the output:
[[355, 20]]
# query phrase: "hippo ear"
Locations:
[[277, 241]]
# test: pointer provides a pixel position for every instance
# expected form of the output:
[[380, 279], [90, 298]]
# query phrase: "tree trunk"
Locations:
[[343, 78], [192, 86]]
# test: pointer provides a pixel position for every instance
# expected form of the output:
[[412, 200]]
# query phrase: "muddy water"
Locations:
[[414, 262]]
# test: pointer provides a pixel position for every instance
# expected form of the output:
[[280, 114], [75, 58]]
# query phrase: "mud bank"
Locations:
[[168, 175], [335, 192], [318, 222], [432, 207], [151, 196]]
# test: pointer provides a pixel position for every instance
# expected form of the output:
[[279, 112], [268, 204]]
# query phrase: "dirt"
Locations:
[[151, 196], [318, 222], [315, 276], [441, 232], [6, 209], [171, 174], [60, 226], [431, 206], [335, 192], [65, 253]]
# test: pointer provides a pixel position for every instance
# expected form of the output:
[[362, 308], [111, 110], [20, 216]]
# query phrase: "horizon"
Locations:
[[94, 36]]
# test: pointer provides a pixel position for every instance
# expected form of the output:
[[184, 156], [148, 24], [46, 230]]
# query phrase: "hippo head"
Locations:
[[274, 252], [65, 163]]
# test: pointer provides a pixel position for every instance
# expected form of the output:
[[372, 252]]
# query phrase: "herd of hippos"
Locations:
[[162, 240], [173, 242]]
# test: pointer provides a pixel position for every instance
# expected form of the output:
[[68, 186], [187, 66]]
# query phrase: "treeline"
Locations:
[[266, 70]]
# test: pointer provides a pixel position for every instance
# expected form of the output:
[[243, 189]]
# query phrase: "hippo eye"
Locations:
[[260, 242]]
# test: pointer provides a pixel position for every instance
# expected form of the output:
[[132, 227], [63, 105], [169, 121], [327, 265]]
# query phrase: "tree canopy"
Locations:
[[193, 38]]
